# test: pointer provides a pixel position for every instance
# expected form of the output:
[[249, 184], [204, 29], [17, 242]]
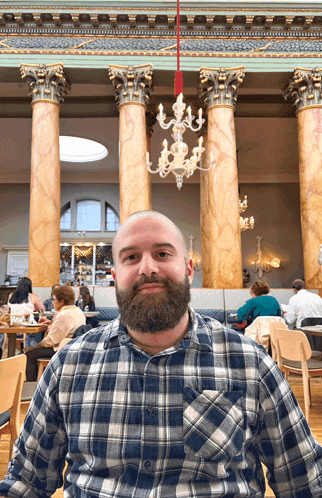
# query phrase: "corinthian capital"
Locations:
[[46, 82], [218, 87], [131, 83], [305, 88]]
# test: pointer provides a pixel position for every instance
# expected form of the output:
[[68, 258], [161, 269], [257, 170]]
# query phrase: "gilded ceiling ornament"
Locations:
[[46, 82], [218, 87], [305, 88], [131, 83]]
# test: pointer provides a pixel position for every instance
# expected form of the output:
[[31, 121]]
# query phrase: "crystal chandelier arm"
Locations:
[[161, 118]]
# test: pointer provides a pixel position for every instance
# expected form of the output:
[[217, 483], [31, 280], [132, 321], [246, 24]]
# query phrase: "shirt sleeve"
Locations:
[[37, 467], [287, 447], [58, 330], [290, 316], [245, 311]]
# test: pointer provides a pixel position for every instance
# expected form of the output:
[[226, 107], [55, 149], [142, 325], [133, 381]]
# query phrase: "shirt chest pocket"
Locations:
[[213, 424]]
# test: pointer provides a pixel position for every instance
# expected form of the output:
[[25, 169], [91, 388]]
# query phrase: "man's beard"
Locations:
[[154, 312]]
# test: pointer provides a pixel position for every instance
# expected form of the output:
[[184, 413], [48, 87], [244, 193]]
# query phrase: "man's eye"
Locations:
[[131, 257], [163, 254]]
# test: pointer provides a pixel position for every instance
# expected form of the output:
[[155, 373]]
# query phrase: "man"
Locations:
[[49, 303], [64, 324], [162, 402], [303, 305]]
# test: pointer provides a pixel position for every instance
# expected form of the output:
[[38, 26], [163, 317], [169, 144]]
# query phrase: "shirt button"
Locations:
[[148, 465], [150, 409]]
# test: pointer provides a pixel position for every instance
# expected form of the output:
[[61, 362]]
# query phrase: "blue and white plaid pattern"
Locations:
[[192, 421]]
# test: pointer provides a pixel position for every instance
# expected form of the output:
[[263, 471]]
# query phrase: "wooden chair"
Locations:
[[273, 326], [43, 362], [294, 355], [12, 374]]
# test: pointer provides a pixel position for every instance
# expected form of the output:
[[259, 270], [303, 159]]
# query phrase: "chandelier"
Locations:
[[261, 266], [179, 165], [245, 223], [194, 256]]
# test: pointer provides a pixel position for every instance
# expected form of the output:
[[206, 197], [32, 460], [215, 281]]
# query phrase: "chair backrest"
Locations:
[[259, 329], [12, 375], [82, 330], [291, 344], [314, 320], [273, 326]]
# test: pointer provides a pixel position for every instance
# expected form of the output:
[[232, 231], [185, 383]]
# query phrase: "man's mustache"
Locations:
[[155, 279]]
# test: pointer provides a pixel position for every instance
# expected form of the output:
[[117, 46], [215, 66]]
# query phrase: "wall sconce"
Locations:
[[260, 265], [194, 256], [82, 234]]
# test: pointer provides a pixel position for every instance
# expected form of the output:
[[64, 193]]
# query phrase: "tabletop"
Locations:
[[23, 329], [312, 329]]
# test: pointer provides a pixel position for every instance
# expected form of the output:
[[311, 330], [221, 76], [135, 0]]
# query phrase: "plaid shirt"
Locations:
[[195, 420]]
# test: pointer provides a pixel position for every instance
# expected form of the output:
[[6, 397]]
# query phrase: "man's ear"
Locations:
[[190, 269], [113, 273]]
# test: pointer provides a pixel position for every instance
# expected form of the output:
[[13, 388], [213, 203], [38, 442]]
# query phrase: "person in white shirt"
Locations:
[[303, 305]]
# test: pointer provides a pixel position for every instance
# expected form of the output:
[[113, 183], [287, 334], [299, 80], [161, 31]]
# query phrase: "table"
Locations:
[[12, 335], [89, 314], [312, 330]]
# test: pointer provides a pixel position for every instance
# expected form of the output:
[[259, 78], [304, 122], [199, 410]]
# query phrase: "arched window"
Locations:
[[88, 215], [112, 219], [65, 217]]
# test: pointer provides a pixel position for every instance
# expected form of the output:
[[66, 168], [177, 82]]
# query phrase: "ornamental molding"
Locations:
[[132, 84], [46, 83], [150, 18], [219, 87], [305, 88]]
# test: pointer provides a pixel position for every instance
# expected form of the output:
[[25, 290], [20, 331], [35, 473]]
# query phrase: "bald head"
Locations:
[[148, 216]]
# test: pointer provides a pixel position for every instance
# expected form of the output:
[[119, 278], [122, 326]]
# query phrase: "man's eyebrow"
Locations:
[[133, 248]]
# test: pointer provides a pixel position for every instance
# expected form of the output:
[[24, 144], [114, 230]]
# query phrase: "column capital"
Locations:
[[218, 87], [132, 84], [47, 82], [305, 88]]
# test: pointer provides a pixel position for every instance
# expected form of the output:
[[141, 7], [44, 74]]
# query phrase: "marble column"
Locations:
[[305, 90], [220, 230], [47, 83], [132, 87]]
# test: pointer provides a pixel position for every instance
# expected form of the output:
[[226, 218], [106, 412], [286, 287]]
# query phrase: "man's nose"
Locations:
[[148, 265]]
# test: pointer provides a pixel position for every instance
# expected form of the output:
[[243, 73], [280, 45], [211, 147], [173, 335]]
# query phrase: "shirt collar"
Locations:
[[199, 333]]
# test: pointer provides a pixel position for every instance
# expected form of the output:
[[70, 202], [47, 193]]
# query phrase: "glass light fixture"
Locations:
[[245, 223], [260, 265], [179, 165], [80, 150], [193, 255]]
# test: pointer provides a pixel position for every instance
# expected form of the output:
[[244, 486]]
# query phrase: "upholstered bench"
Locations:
[[108, 314]]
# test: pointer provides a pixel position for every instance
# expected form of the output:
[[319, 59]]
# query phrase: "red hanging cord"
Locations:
[[178, 81]]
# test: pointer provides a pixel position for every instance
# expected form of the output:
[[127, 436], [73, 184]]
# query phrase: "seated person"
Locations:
[[49, 303], [23, 301], [88, 305], [260, 304], [64, 324], [303, 305]]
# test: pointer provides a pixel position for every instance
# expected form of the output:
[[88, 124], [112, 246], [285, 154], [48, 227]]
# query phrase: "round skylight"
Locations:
[[80, 150]]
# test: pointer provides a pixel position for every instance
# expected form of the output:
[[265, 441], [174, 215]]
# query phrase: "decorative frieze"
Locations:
[[46, 82], [132, 84], [305, 88], [218, 87]]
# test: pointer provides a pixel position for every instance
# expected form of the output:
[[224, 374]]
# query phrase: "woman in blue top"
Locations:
[[260, 305]]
